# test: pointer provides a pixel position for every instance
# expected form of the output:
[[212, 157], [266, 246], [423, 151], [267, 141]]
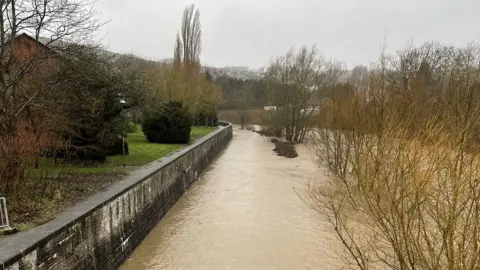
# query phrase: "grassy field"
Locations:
[[141, 152], [72, 183]]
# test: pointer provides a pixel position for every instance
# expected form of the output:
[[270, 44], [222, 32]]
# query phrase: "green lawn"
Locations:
[[198, 132], [141, 152]]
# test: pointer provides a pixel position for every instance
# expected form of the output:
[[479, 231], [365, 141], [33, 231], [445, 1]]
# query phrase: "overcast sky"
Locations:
[[251, 32]]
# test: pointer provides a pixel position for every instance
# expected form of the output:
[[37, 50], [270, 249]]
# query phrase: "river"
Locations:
[[244, 212]]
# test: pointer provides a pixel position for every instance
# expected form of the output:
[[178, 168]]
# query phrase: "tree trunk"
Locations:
[[290, 129]]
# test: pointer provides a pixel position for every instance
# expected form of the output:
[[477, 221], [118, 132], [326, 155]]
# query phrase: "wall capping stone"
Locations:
[[22, 246]]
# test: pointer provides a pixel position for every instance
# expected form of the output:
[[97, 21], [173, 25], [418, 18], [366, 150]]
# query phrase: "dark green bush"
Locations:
[[117, 150], [130, 127], [170, 123]]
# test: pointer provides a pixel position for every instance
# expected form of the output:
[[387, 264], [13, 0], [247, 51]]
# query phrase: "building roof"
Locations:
[[55, 44]]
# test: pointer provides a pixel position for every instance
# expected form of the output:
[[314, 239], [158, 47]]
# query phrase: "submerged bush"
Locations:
[[285, 149]]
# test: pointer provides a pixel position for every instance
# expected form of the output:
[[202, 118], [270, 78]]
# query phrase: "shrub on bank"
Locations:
[[130, 127], [170, 123], [117, 149], [271, 131]]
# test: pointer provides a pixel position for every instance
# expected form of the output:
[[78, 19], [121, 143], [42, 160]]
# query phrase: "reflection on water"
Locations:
[[243, 213]]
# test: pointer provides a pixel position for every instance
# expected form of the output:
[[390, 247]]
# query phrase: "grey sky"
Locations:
[[251, 32]]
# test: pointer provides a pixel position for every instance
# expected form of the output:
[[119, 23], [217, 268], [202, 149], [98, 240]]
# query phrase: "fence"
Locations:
[[4, 224]]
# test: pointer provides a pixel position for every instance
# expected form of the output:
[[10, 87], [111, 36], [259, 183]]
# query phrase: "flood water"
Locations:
[[245, 212]]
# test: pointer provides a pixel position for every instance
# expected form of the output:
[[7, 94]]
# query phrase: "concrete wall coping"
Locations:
[[13, 247]]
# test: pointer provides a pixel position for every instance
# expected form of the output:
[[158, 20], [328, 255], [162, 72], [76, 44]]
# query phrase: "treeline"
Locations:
[[238, 92]]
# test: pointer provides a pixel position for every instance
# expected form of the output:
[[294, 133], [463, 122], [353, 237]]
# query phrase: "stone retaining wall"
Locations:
[[101, 232]]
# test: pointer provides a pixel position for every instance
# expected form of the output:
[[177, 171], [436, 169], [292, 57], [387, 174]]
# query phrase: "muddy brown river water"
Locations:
[[244, 212]]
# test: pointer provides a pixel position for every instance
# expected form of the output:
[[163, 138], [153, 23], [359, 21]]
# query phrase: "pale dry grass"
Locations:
[[404, 189]]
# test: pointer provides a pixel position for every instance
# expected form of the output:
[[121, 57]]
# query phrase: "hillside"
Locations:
[[241, 73]]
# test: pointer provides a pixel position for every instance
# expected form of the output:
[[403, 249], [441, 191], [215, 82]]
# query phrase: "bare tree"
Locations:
[[242, 101], [35, 37], [49, 28], [191, 35], [185, 82], [296, 82], [403, 198], [178, 53]]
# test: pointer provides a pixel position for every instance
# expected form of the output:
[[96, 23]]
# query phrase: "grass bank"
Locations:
[[141, 152], [63, 184]]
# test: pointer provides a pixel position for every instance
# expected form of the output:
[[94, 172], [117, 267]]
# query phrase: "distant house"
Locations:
[[50, 50], [27, 59], [313, 106], [269, 108], [42, 57], [27, 47]]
